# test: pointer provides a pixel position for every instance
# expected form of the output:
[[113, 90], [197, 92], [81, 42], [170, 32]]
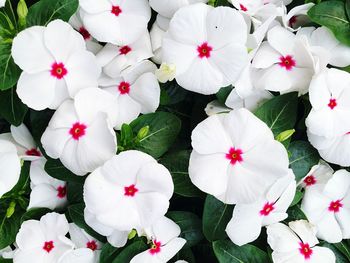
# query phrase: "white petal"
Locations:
[[281, 238], [266, 56], [281, 39], [305, 231], [338, 186], [22, 136], [322, 255], [169, 250], [165, 230]]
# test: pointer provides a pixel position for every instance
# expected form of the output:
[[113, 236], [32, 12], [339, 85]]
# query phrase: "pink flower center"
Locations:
[[33, 152], [61, 192], [130, 190], [124, 50], [310, 180], [335, 206], [77, 130], [124, 87], [204, 50], [155, 248], [116, 10], [92, 245], [332, 103], [86, 35], [292, 21], [243, 8], [287, 62], [58, 70], [305, 250], [267, 209], [234, 155], [48, 246]]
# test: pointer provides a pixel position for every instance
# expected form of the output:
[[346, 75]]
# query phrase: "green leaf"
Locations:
[[57, 170], [184, 254], [11, 107], [216, 216], [223, 93], [75, 192], [108, 253], [9, 227], [190, 225], [9, 71], [177, 164], [45, 11], [333, 15], [163, 130], [22, 186], [297, 198], [172, 93], [130, 251], [227, 252], [347, 8], [5, 260], [340, 257], [279, 113], [302, 157], [34, 213], [295, 213], [76, 213], [39, 121], [342, 247]]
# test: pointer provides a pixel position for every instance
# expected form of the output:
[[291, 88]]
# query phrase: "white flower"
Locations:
[[10, 166], [116, 22], [135, 91], [6, 253], [286, 62], [55, 64], [334, 150], [165, 242], [296, 17], [207, 46], [81, 239], [318, 175], [114, 237], [80, 133], [339, 54], [330, 98], [44, 240], [168, 8], [130, 191], [166, 73], [80, 255], [114, 59], [91, 43], [157, 34], [229, 158], [328, 207], [297, 243], [259, 10], [247, 220], [2, 3], [24, 142], [46, 190], [215, 107]]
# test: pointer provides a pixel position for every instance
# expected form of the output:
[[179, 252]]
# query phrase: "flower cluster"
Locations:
[[113, 147]]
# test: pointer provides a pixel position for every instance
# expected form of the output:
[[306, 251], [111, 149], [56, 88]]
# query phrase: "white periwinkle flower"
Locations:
[[297, 243], [230, 160], [165, 242], [55, 64], [46, 191], [2, 3], [166, 72], [167, 8], [116, 22], [247, 220], [10, 166], [44, 240], [130, 191], [135, 91], [328, 207], [207, 46], [80, 132], [318, 175]]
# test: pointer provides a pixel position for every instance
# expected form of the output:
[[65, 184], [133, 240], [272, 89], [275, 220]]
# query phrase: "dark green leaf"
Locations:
[[295, 213], [108, 253], [130, 251], [22, 185], [302, 157], [279, 113], [184, 254], [216, 216], [298, 196], [39, 120], [347, 8], [223, 93], [173, 93], [76, 213], [11, 107], [163, 130], [177, 164], [5, 260], [342, 247], [57, 170], [9, 71], [333, 15], [190, 225], [9, 227], [75, 192], [45, 11], [340, 257], [227, 252], [34, 213]]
